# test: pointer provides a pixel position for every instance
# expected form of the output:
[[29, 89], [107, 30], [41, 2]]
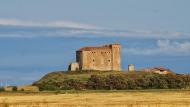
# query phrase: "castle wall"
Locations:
[[101, 58], [79, 58], [97, 60], [116, 59]]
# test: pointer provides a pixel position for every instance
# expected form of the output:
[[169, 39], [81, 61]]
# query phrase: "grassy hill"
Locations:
[[79, 75], [108, 80]]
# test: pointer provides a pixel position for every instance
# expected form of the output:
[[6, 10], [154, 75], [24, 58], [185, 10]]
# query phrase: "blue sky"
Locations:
[[40, 36]]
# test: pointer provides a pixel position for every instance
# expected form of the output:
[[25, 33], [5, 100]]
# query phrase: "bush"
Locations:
[[14, 88], [72, 84], [110, 82], [120, 81], [2, 89], [96, 82], [116, 82], [47, 86]]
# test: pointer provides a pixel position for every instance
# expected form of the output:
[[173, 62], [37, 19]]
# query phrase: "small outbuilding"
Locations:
[[73, 66], [158, 70], [131, 67], [8, 88]]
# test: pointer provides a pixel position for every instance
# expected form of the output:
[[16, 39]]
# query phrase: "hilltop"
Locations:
[[108, 80]]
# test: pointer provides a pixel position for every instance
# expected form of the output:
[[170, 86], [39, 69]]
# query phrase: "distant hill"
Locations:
[[108, 80]]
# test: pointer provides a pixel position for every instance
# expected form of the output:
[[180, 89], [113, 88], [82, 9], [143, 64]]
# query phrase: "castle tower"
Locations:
[[116, 59]]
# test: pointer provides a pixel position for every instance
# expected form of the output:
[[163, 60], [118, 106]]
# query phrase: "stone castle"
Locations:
[[104, 58]]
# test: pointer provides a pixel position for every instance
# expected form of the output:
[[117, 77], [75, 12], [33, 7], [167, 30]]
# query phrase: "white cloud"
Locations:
[[64, 24], [73, 29], [14, 22], [162, 47]]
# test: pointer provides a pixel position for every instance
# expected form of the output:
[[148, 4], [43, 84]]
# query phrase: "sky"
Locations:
[[41, 36]]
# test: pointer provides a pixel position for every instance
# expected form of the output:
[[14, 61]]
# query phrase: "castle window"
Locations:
[[93, 60], [109, 60]]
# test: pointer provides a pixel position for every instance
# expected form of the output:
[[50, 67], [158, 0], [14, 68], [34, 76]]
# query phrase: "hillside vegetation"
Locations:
[[111, 80]]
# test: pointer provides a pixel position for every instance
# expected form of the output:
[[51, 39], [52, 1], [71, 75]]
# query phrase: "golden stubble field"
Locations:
[[97, 99]]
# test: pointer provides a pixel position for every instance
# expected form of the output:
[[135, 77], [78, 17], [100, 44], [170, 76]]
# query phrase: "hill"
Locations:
[[109, 80]]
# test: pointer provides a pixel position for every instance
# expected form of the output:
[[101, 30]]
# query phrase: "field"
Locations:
[[146, 98]]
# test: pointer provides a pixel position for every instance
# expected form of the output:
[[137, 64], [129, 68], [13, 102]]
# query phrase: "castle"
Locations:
[[104, 58]]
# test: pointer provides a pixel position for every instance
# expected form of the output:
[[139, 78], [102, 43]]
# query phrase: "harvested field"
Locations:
[[97, 99]]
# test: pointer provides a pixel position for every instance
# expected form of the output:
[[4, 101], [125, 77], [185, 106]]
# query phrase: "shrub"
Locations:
[[96, 82], [14, 88], [72, 84], [116, 82], [2, 89], [119, 81]]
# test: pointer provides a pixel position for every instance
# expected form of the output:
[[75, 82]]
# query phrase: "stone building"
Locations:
[[158, 70], [131, 67], [74, 66], [104, 58]]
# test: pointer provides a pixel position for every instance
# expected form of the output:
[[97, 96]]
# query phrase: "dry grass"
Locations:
[[28, 88], [114, 99]]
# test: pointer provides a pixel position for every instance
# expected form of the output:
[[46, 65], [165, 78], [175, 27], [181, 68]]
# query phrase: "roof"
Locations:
[[96, 48], [161, 69], [92, 48]]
